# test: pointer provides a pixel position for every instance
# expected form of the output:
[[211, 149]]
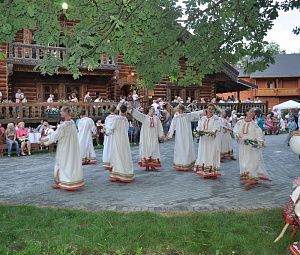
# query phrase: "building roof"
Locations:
[[286, 65]]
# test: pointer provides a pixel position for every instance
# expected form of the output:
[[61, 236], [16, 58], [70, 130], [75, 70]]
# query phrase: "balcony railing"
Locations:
[[32, 54], [277, 92], [35, 112]]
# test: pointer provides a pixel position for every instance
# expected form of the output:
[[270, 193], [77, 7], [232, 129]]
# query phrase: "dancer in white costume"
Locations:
[[108, 138], [226, 138], [121, 160], [208, 160], [251, 141], [86, 130], [151, 131], [68, 173], [184, 152]]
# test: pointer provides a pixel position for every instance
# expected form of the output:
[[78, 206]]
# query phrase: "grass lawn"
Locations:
[[30, 230]]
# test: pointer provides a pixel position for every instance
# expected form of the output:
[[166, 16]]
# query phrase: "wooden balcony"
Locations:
[[31, 54], [277, 92], [35, 112]]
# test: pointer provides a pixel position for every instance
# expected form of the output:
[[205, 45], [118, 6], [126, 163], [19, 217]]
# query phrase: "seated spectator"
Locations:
[[11, 139], [22, 136], [2, 134]]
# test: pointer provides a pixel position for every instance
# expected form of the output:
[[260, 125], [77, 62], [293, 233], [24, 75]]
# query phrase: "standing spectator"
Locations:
[[202, 101], [299, 119], [257, 100], [155, 105], [189, 100], [18, 95], [50, 99], [22, 135], [248, 100], [98, 99], [87, 97], [11, 139], [261, 121], [292, 126], [2, 133], [135, 96], [166, 121], [74, 98], [23, 99], [1, 97]]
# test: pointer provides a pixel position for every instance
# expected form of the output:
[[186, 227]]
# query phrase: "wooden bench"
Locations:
[[34, 147], [3, 147]]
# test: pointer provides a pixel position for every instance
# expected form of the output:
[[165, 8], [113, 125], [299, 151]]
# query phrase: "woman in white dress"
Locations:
[[226, 138], [68, 174], [251, 141], [151, 131], [121, 160], [108, 138], [86, 130], [184, 152], [208, 160]]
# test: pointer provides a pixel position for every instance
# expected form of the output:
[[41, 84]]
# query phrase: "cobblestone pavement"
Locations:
[[27, 180]]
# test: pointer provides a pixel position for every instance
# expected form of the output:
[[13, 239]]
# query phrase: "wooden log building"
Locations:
[[111, 79]]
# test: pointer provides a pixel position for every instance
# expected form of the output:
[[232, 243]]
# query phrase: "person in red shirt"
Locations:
[[22, 135]]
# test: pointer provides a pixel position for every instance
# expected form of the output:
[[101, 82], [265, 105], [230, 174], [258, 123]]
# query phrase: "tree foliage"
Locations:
[[152, 34], [245, 64]]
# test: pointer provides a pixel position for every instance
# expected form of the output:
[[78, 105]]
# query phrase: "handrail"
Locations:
[[43, 110], [31, 54]]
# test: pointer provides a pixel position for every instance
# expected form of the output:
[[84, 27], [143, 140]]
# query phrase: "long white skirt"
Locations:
[[251, 162], [208, 160]]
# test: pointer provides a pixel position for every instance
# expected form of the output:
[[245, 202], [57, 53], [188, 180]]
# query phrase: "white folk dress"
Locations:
[[149, 154], [86, 128], [121, 160], [108, 141], [226, 139], [184, 152], [250, 158], [68, 172], [208, 160]]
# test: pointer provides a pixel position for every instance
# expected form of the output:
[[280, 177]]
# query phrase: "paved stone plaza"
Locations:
[[27, 180]]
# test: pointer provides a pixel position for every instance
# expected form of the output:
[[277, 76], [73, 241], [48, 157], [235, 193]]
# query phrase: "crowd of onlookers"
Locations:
[[17, 135]]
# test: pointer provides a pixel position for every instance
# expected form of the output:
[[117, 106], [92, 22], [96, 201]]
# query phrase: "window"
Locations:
[[50, 89], [271, 84]]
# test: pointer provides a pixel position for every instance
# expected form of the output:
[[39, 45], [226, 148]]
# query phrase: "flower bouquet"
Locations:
[[204, 133], [253, 143]]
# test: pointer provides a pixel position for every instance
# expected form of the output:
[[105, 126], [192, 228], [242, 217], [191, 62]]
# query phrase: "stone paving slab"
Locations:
[[27, 180]]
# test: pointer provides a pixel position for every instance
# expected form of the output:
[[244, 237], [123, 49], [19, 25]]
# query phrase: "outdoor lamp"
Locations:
[[65, 6]]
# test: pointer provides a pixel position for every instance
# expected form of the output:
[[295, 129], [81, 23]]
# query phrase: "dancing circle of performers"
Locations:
[[214, 134]]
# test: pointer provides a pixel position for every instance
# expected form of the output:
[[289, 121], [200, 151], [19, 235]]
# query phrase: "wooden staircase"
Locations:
[[3, 74]]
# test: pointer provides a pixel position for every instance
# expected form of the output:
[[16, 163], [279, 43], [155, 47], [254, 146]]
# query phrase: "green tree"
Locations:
[[271, 49], [152, 34]]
